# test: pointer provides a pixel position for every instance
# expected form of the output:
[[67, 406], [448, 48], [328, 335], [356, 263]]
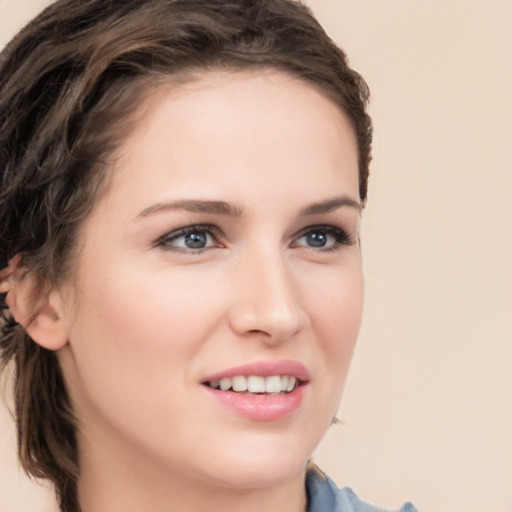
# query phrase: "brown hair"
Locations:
[[68, 82]]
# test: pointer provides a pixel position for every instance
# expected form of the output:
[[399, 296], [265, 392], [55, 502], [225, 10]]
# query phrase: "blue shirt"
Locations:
[[324, 496]]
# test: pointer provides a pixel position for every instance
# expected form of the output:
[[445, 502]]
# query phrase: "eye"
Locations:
[[327, 238], [193, 239]]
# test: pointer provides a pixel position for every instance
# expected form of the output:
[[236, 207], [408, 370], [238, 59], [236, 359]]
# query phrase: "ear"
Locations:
[[39, 311]]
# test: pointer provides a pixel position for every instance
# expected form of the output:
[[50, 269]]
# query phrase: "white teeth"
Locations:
[[273, 384], [291, 383], [225, 384], [256, 384], [239, 384]]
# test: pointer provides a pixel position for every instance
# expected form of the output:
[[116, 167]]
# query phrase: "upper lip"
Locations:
[[264, 369]]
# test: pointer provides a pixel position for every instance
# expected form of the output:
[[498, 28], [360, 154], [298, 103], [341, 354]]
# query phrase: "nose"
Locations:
[[266, 300]]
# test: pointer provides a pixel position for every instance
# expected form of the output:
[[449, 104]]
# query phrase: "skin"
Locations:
[[141, 324]]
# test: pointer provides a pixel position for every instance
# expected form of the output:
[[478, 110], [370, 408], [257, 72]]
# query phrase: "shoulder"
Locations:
[[324, 496]]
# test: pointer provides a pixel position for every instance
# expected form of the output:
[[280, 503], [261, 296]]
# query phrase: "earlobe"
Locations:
[[48, 327], [39, 311]]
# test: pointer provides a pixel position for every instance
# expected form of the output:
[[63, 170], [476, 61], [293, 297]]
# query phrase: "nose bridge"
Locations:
[[267, 299]]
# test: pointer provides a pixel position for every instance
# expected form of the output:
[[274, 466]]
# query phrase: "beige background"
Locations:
[[428, 409]]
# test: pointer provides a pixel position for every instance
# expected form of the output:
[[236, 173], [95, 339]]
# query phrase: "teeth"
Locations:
[[256, 384], [291, 383], [225, 384], [273, 384], [239, 384]]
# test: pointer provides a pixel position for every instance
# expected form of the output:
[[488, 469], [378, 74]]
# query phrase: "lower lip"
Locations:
[[260, 407]]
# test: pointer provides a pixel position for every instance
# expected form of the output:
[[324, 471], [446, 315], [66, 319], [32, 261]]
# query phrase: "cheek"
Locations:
[[335, 314], [345, 314], [137, 333], [146, 316], [336, 320], [180, 307], [132, 343], [336, 308]]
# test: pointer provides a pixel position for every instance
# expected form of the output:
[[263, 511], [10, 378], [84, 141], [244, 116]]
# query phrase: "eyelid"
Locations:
[[342, 236], [165, 240]]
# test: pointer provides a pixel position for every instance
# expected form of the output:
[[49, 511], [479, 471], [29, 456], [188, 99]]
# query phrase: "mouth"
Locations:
[[257, 384], [263, 391]]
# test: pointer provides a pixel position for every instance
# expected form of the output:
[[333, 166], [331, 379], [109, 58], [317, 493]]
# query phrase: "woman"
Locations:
[[181, 194]]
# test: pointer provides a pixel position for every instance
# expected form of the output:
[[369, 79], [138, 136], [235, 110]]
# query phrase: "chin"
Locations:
[[259, 468], [260, 475]]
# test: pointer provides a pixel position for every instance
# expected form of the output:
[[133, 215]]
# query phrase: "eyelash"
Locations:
[[208, 229], [341, 238]]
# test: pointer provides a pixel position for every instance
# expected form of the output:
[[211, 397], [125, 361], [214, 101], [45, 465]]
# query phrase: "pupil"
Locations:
[[317, 239], [195, 240]]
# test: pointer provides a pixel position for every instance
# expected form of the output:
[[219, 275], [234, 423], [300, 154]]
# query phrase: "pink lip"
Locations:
[[265, 369], [271, 407], [259, 407]]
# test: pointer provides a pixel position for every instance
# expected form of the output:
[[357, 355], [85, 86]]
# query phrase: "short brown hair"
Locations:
[[67, 80]]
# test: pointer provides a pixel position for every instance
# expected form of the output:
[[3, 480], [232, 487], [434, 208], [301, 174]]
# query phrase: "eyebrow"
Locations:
[[230, 210], [330, 205], [194, 205]]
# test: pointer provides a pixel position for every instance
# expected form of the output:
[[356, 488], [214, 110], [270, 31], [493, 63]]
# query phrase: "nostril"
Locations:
[[256, 332]]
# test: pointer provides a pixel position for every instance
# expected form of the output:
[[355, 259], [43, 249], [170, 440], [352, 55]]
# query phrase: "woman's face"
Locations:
[[227, 248]]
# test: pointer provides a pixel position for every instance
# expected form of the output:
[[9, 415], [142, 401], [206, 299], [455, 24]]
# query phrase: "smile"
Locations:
[[273, 384], [261, 391]]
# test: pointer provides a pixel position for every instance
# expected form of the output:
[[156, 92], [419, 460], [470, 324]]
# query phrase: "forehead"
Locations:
[[222, 127]]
